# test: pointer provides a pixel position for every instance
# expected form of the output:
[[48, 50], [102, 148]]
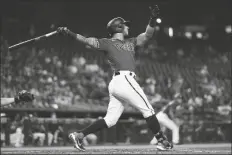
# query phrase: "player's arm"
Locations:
[[90, 41], [144, 37]]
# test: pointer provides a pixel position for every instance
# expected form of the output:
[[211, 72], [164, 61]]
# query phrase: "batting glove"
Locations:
[[62, 30], [154, 11]]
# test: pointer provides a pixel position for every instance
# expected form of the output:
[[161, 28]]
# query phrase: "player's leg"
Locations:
[[35, 137], [50, 138], [42, 138], [167, 122], [129, 90], [134, 95], [114, 111]]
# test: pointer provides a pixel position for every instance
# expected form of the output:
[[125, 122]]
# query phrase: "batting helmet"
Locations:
[[116, 25]]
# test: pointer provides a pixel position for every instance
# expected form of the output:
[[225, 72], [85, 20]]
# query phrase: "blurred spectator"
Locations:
[[16, 139], [16, 123], [27, 128], [199, 71], [38, 134], [56, 83], [58, 135], [3, 139]]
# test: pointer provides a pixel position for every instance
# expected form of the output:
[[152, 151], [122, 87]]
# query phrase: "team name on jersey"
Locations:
[[127, 46]]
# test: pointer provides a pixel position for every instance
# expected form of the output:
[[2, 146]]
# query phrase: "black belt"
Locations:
[[118, 73]]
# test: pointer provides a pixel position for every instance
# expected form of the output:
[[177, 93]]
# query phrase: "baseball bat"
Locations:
[[32, 40]]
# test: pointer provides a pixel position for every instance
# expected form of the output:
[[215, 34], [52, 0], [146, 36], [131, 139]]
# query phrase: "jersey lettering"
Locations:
[[120, 53], [124, 46]]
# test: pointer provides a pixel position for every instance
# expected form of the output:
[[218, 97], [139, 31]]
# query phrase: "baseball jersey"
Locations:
[[120, 53]]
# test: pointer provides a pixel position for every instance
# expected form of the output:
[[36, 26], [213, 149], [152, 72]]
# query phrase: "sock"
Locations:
[[154, 125], [160, 136], [96, 126]]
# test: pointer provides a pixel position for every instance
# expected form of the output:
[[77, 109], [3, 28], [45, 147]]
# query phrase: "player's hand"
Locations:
[[155, 11], [24, 96], [62, 30]]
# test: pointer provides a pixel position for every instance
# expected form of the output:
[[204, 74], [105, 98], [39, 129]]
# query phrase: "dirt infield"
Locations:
[[124, 149]]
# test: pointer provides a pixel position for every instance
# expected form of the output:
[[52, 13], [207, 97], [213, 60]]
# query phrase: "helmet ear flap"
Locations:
[[120, 26]]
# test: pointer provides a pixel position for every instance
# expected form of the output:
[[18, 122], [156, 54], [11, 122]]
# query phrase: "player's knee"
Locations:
[[159, 114], [175, 128], [110, 121], [148, 113]]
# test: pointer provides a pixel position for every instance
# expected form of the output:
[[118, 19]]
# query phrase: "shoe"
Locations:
[[78, 144], [164, 144]]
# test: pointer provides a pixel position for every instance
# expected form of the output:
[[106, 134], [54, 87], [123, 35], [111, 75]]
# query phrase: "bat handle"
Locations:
[[50, 34], [46, 35]]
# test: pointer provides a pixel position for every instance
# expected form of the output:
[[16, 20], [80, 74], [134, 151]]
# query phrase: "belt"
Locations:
[[118, 73]]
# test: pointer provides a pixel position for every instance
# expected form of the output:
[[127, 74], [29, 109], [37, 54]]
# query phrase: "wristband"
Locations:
[[152, 22], [71, 34]]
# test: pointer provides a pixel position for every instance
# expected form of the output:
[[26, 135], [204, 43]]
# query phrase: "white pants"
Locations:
[[123, 89], [167, 122], [16, 138]]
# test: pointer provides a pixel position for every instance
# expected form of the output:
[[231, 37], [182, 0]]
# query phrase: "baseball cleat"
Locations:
[[76, 141], [164, 144]]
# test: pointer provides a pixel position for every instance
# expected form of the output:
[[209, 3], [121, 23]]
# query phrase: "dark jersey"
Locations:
[[120, 53]]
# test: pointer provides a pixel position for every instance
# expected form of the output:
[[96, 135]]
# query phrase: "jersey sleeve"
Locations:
[[133, 40], [103, 44]]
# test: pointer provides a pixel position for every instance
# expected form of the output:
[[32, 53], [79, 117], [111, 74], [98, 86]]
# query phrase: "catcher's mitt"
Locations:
[[24, 96]]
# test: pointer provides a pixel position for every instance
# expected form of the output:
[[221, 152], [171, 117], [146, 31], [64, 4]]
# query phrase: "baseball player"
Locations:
[[23, 96], [123, 87]]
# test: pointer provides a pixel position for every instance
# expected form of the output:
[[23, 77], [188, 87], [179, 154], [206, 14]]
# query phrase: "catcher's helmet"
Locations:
[[116, 25]]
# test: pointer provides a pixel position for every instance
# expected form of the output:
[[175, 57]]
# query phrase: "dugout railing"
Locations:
[[191, 131]]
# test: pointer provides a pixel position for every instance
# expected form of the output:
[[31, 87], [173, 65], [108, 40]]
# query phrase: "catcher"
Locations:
[[23, 96]]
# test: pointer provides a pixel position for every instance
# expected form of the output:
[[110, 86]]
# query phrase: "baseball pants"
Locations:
[[124, 89]]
